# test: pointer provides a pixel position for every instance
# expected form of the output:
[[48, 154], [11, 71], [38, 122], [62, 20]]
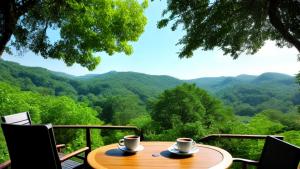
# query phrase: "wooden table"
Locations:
[[156, 156]]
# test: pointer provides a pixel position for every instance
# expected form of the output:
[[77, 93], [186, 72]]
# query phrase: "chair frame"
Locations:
[[268, 148], [47, 131], [23, 118], [246, 162]]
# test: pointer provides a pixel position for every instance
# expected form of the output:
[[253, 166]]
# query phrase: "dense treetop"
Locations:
[[85, 27], [234, 26]]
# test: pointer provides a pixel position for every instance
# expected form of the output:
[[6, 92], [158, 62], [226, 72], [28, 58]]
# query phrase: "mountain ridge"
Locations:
[[87, 76], [262, 91]]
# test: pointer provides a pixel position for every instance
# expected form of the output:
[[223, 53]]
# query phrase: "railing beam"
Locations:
[[236, 136], [5, 165], [134, 128]]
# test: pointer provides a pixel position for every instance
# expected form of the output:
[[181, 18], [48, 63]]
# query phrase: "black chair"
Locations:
[[33, 146], [276, 154], [23, 118]]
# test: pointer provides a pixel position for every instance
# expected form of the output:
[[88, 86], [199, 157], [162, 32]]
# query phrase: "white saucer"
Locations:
[[139, 148], [173, 149]]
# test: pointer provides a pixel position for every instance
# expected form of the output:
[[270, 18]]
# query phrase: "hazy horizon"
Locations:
[[95, 74]]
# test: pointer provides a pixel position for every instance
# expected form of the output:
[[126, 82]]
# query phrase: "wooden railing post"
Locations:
[[88, 144], [244, 166], [88, 137], [142, 135]]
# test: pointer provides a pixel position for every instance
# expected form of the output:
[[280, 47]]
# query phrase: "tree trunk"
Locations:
[[277, 23], [8, 11]]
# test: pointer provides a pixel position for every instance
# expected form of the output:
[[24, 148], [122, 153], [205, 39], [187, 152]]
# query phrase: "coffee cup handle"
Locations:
[[194, 143], [121, 142]]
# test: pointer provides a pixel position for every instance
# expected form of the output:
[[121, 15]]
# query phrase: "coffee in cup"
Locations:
[[131, 142], [185, 145]]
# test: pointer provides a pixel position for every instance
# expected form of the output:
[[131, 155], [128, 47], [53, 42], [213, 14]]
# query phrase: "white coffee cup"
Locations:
[[131, 142], [185, 145]]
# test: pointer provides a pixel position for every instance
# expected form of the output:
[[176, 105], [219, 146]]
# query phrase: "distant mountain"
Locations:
[[215, 84], [143, 85], [274, 78], [245, 77], [64, 75], [246, 94]]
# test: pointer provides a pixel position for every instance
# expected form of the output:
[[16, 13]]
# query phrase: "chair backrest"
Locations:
[[31, 146], [278, 154], [19, 118]]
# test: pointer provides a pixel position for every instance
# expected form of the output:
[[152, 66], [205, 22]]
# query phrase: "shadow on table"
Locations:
[[118, 153], [168, 154]]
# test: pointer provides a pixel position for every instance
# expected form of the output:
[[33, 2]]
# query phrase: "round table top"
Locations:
[[156, 155]]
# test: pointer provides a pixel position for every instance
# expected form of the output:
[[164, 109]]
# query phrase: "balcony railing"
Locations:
[[139, 132], [88, 128]]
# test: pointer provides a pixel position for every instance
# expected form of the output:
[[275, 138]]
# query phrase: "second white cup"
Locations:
[[185, 145]]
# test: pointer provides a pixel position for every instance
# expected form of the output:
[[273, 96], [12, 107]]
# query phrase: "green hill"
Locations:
[[143, 85], [113, 83], [246, 94], [36, 79]]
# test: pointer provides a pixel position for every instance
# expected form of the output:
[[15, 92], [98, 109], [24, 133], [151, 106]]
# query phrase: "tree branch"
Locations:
[[276, 22], [11, 14], [8, 9], [22, 9]]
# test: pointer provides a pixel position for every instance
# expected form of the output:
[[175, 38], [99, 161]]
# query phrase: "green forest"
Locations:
[[162, 106]]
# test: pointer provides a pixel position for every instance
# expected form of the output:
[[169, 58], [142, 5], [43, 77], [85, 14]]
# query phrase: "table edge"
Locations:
[[224, 164], [226, 155]]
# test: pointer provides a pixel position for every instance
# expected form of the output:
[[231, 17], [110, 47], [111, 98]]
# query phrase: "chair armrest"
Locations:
[[70, 155], [5, 164], [247, 161], [60, 146]]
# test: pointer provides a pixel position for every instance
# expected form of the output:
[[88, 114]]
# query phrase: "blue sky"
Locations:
[[156, 53]]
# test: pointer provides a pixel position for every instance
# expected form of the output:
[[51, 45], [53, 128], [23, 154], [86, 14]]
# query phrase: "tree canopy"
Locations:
[[86, 27], [234, 26], [186, 104]]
